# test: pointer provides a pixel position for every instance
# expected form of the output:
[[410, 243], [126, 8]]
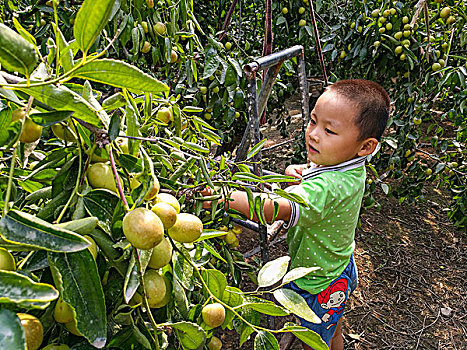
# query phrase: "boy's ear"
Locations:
[[368, 147]]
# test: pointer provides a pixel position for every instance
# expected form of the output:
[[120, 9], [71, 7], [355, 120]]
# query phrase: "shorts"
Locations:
[[330, 303]]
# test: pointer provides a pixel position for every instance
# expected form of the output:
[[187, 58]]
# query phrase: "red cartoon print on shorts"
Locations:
[[333, 299]]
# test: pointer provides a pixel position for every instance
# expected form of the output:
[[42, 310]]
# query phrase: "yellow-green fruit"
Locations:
[[207, 116], [62, 312], [228, 45], [31, 131], [359, 29], [7, 261], [230, 237], [165, 115], [406, 33], [150, 3], [213, 315], [71, 327], [417, 121], [64, 133], [386, 13], [382, 30], [285, 10], [93, 247], [441, 62], [166, 213], [382, 20], [392, 11], [145, 26], [215, 89], [301, 10], [376, 43], [146, 47], [388, 26], [451, 20], [436, 66], [173, 57], [215, 344], [167, 296], [375, 13], [161, 254], [122, 142], [235, 243], [398, 50], [203, 90], [100, 175], [302, 23], [33, 331], [343, 54], [169, 199], [56, 347], [405, 19], [428, 172], [403, 57], [160, 28], [237, 230], [143, 228], [155, 287], [186, 229], [398, 35], [445, 12]]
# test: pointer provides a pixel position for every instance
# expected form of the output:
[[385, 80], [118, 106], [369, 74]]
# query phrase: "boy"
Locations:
[[345, 126]]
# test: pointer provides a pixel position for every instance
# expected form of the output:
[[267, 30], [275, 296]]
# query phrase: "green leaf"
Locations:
[[233, 297], [190, 335], [9, 132], [256, 149], [306, 335], [236, 65], [63, 99], [183, 271], [11, 331], [101, 203], [192, 109], [215, 280], [268, 308], [119, 74], [78, 280], [266, 341], [23, 32], [132, 277], [241, 176], [19, 289], [297, 273], [92, 17], [273, 271], [131, 163], [208, 234], [295, 303], [50, 118], [291, 196], [16, 54], [26, 229], [211, 65]]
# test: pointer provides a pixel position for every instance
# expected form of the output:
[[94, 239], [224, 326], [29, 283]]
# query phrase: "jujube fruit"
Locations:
[[7, 261], [33, 331], [154, 286], [62, 312], [215, 344], [213, 315], [169, 199], [100, 175], [166, 213], [143, 228], [161, 254], [186, 229]]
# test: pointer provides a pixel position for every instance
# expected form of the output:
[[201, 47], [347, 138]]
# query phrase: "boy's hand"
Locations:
[[295, 170], [206, 192]]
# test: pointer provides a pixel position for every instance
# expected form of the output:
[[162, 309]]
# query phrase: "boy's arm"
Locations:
[[238, 200]]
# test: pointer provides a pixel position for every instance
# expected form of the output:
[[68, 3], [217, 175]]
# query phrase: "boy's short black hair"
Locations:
[[373, 102]]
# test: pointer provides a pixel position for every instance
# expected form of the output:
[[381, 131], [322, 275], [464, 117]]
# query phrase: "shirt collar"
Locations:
[[344, 166]]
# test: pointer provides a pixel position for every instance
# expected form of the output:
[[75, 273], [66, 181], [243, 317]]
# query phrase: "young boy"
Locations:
[[345, 126]]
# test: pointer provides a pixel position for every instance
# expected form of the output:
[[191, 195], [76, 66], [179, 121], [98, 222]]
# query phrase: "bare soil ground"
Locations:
[[412, 265]]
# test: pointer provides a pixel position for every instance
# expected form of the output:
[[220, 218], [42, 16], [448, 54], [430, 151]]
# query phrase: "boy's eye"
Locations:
[[312, 122], [330, 131]]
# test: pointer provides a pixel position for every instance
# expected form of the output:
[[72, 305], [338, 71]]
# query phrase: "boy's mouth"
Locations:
[[312, 149]]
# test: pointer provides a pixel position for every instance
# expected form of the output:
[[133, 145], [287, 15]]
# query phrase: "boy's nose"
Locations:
[[314, 135]]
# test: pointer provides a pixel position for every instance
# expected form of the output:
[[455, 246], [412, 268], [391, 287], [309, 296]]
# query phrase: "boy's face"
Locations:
[[332, 136]]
